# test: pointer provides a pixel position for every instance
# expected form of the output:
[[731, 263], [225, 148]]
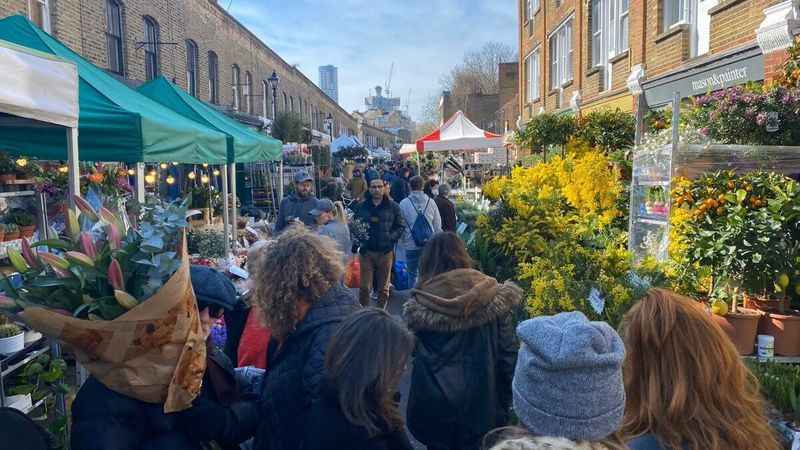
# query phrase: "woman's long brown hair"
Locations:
[[443, 253], [685, 382]]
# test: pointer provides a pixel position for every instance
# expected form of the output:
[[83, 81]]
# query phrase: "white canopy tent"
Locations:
[[408, 149], [342, 142], [379, 153], [36, 86], [458, 134]]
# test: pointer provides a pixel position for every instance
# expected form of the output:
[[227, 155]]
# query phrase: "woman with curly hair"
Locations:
[[296, 285], [686, 387]]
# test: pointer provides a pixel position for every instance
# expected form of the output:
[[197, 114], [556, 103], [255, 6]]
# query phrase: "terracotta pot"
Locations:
[[7, 178], [27, 231], [785, 328], [2, 235], [765, 303], [11, 235], [741, 327]]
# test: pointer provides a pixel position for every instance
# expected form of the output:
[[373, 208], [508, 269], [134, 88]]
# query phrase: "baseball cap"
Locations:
[[302, 176], [323, 205]]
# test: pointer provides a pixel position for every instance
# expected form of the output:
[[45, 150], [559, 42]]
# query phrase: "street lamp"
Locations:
[[329, 124], [273, 81]]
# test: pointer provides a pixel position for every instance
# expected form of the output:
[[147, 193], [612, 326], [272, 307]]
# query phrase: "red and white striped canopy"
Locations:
[[458, 133]]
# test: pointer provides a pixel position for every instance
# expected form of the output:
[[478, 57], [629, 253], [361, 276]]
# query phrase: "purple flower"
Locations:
[[761, 118], [704, 131]]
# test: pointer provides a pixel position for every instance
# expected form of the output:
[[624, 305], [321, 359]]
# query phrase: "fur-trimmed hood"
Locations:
[[458, 300], [546, 443]]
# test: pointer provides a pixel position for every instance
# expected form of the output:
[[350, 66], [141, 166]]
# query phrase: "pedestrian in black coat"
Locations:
[[466, 349], [106, 420], [297, 286], [358, 408]]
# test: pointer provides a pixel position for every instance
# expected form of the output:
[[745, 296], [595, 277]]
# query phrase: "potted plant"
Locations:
[[12, 339], [740, 324], [2, 232], [25, 221], [12, 232], [8, 169]]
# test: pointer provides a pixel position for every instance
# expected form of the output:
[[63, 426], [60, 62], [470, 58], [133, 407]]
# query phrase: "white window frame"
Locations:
[[610, 30], [246, 92], [561, 50], [533, 75], [236, 81], [688, 13], [683, 12], [192, 64], [43, 7]]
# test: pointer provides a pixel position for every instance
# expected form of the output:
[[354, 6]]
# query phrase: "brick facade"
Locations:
[[733, 25], [81, 25]]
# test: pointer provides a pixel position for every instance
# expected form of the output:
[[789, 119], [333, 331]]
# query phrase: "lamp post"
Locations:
[[329, 125], [273, 81]]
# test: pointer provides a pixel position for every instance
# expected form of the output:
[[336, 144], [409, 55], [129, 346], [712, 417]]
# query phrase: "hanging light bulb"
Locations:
[[204, 179], [152, 172], [131, 172], [170, 179], [174, 163], [150, 179], [22, 162], [191, 175], [216, 172], [205, 164], [163, 165], [63, 169]]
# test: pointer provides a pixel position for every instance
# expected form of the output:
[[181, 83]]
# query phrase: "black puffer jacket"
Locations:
[[329, 429], [385, 223], [295, 207], [105, 420], [464, 359], [297, 370]]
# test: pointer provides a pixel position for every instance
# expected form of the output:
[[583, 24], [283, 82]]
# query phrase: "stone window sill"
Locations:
[[723, 6], [673, 31], [593, 71], [620, 57]]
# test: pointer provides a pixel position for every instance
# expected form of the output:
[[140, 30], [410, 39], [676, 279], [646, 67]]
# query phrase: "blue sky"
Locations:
[[424, 38]]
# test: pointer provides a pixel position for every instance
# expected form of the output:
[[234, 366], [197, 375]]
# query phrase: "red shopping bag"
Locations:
[[352, 276]]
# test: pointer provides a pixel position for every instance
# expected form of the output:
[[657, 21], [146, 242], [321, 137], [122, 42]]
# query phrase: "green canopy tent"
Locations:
[[116, 123], [244, 145]]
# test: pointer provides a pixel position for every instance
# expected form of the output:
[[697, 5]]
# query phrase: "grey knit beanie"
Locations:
[[568, 379]]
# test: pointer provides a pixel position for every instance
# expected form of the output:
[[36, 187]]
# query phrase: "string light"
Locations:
[[205, 164], [204, 179], [191, 175], [153, 172], [216, 172], [170, 179], [131, 172], [150, 179], [163, 165], [22, 162], [63, 169], [174, 163]]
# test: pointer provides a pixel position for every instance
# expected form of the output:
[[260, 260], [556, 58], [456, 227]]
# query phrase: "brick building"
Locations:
[[374, 137], [588, 54], [481, 109], [196, 43]]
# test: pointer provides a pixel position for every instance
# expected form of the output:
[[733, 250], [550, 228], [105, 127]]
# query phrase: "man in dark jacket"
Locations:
[[385, 225], [106, 420], [400, 187], [297, 372], [447, 210], [296, 207]]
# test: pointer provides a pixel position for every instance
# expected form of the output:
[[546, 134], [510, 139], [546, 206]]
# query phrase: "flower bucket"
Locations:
[[12, 344], [742, 328], [785, 328], [765, 303]]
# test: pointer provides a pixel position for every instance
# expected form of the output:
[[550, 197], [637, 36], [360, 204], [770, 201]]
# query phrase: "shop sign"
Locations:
[[721, 73]]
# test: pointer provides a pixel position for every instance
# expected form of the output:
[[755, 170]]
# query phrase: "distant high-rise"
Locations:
[[329, 81]]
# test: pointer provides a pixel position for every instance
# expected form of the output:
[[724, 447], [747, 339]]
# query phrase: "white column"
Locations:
[[234, 212], [74, 186], [226, 211], [140, 182]]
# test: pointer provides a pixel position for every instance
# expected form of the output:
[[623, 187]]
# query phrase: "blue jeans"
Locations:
[[412, 264]]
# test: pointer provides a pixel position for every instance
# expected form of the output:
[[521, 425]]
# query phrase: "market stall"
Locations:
[[458, 134]]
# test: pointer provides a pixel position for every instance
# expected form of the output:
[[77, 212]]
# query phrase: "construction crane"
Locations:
[[388, 87], [408, 101]]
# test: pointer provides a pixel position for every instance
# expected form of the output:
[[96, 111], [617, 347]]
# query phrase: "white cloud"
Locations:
[[424, 38]]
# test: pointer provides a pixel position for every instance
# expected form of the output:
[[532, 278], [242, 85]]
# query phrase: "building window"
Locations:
[[677, 12], [285, 102], [151, 59], [235, 84], [609, 25], [191, 67], [561, 55], [695, 14], [40, 13], [213, 78], [116, 56], [532, 76], [248, 97], [531, 6], [265, 99], [291, 104]]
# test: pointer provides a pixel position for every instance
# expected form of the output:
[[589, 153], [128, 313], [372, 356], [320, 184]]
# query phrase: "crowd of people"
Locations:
[[668, 379]]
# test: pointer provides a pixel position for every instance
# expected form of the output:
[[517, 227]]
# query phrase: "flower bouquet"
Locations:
[[122, 298]]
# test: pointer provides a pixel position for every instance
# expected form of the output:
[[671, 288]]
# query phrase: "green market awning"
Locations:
[[116, 123], [244, 145]]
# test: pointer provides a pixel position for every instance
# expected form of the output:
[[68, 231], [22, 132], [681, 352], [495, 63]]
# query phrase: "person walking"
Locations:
[[568, 389], [447, 210], [297, 287], [103, 419], [430, 186], [418, 206], [385, 225], [400, 188], [466, 348], [684, 396], [357, 186], [358, 408], [296, 206], [331, 221]]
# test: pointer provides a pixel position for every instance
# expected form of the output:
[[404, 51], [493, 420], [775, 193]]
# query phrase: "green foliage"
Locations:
[[547, 129], [288, 127], [207, 243], [21, 218], [7, 165], [607, 130], [780, 383], [9, 329]]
